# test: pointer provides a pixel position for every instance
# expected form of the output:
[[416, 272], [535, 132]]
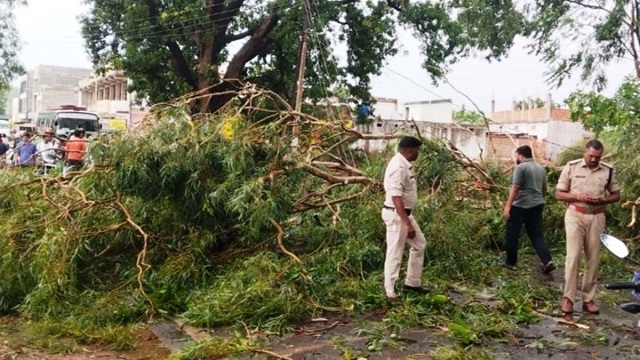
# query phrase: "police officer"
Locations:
[[586, 185], [401, 194]]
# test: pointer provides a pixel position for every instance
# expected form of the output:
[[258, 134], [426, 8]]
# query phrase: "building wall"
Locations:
[[111, 107], [501, 147], [435, 111], [108, 96], [63, 78], [14, 109], [564, 134], [532, 115], [549, 124], [471, 141], [468, 139], [47, 86], [386, 108], [538, 129]]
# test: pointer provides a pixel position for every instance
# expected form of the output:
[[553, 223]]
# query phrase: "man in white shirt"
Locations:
[[47, 149], [401, 194]]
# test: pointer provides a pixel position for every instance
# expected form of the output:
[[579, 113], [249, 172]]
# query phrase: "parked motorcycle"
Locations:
[[620, 249]]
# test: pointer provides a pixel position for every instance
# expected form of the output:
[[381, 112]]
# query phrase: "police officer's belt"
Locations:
[[408, 211], [589, 210]]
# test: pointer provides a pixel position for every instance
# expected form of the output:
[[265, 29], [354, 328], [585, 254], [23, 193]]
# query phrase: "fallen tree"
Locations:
[[224, 222]]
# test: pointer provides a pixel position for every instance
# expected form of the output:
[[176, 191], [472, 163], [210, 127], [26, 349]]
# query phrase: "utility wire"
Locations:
[[192, 18], [463, 108], [174, 27]]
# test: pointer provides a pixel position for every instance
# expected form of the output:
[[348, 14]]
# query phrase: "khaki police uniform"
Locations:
[[399, 180], [584, 223]]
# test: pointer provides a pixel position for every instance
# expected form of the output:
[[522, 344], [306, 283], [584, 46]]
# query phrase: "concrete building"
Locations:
[[549, 125], [433, 118], [108, 96], [45, 87], [387, 108], [435, 111]]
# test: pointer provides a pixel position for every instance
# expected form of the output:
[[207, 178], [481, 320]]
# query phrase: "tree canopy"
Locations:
[[584, 35], [9, 44], [170, 48]]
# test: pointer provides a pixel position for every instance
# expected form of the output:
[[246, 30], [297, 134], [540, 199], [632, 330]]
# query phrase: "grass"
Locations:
[[65, 336]]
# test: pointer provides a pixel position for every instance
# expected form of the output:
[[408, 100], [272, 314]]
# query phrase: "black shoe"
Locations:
[[418, 289], [508, 266], [547, 269]]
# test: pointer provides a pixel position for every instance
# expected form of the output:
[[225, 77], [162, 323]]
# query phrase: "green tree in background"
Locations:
[[9, 45], [4, 97], [620, 112], [526, 104], [468, 117], [584, 35], [172, 48]]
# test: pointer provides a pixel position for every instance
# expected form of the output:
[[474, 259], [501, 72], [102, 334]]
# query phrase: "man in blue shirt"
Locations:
[[26, 151], [524, 206]]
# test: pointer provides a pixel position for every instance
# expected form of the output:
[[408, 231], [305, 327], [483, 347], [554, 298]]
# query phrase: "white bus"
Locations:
[[65, 122], [4, 127]]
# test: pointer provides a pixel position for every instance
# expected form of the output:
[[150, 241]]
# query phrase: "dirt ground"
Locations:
[[148, 346], [547, 339]]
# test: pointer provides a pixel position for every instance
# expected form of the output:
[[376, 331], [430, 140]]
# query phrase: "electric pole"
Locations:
[[302, 64]]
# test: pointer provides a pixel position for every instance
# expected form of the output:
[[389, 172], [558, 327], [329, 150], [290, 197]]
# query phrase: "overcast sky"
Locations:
[[50, 32]]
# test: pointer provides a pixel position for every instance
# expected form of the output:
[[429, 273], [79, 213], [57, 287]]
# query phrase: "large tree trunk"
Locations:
[[233, 76]]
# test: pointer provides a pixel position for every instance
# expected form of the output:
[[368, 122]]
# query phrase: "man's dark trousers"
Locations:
[[532, 220]]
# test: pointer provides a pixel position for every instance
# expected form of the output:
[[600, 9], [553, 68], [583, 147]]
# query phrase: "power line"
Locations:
[[322, 59], [463, 108], [137, 34], [193, 18]]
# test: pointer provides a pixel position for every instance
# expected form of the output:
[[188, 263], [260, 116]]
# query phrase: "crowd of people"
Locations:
[[46, 153], [585, 186]]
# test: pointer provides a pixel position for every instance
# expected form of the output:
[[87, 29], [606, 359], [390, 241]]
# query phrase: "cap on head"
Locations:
[[409, 142], [49, 132]]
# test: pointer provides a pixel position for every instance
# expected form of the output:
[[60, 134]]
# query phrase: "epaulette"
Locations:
[[606, 164], [573, 162]]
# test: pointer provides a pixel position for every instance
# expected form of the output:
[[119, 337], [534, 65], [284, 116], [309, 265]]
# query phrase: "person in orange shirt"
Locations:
[[75, 149]]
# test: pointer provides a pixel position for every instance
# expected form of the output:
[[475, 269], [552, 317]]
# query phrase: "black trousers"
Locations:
[[532, 220]]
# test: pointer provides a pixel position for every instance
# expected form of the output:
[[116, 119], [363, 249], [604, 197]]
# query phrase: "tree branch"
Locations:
[[588, 6], [239, 36], [281, 244], [224, 18], [337, 179], [394, 5], [635, 35], [256, 43], [182, 66]]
